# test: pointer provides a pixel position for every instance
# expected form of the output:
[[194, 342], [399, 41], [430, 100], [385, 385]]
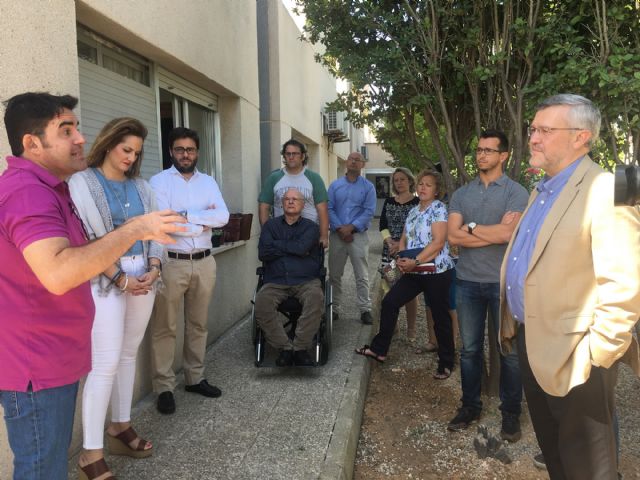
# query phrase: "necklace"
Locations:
[[124, 206]]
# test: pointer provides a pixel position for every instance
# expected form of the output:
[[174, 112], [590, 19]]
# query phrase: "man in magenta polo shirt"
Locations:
[[46, 304]]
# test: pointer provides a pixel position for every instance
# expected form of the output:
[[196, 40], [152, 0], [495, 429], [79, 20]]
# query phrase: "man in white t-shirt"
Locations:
[[295, 174]]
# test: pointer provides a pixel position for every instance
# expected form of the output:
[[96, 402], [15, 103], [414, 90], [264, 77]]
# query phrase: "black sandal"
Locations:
[[442, 373], [367, 352]]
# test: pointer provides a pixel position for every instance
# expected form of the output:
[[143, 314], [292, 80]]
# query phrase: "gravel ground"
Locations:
[[404, 435]]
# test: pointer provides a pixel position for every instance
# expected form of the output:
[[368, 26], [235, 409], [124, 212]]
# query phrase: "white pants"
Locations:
[[118, 328], [358, 253]]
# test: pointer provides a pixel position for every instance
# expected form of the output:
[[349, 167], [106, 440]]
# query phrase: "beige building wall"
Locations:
[[32, 54], [211, 43], [378, 157]]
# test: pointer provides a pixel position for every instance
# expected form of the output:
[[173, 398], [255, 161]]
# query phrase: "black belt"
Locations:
[[190, 256]]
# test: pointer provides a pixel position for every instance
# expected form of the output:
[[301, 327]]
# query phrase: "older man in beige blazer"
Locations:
[[570, 293]]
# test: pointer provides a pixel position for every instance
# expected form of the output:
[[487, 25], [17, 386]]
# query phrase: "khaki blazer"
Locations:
[[582, 287]]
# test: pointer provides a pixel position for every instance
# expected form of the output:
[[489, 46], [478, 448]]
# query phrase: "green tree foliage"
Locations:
[[429, 76]]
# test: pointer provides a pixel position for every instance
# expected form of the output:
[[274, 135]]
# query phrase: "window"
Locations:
[[176, 111], [106, 54]]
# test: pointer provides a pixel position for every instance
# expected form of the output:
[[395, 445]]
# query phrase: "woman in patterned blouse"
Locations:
[[394, 214], [426, 231]]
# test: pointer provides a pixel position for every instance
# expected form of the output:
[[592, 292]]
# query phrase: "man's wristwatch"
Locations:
[[471, 227]]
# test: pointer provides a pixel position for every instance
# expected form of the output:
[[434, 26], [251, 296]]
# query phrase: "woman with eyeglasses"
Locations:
[[394, 213], [107, 195]]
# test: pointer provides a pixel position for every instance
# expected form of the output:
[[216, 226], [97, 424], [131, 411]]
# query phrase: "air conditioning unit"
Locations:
[[335, 123], [364, 151]]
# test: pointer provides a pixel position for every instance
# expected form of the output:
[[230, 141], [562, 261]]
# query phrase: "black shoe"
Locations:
[[366, 318], [510, 427], [166, 404], [538, 461], [285, 358], [465, 417], [203, 388], [301, 358]]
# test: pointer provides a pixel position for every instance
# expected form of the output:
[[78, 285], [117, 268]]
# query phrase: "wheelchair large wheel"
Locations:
[[257, 335], [254, 321], [328, 313], [326, 328], [325, 346], [259, 347]]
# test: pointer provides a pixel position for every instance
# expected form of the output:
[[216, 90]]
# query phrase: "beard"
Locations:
[[182, 169]]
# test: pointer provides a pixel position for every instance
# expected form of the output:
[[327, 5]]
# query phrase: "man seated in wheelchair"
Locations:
[[290, 252]]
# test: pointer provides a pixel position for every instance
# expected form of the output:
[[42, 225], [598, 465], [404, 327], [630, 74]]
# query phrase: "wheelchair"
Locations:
[[292, 309]]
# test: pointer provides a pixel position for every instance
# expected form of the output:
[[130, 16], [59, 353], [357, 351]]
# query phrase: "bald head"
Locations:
[[355, 164], [356, 156]]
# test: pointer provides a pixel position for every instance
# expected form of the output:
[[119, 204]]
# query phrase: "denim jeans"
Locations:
[[474, 302], [39, 426]]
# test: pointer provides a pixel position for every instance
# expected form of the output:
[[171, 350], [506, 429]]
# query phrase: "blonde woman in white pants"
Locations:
[[106, 195]]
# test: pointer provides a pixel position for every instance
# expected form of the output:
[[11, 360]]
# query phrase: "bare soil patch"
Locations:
[[404, 430]]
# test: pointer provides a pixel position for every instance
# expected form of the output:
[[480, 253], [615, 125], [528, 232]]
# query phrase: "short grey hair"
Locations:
[[583, 113]]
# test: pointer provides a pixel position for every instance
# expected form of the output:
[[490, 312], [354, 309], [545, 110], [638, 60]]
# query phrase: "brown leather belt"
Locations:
[[190, 256]]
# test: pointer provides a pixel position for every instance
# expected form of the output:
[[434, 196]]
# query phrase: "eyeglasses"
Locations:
[[291, 154], [487, 151], [545, 131], [294, 199], [182, 150]]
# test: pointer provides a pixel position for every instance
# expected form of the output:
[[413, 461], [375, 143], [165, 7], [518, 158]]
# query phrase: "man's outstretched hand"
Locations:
[[157, 226]]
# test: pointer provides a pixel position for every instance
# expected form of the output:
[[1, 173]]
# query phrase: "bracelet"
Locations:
[[126, 283], [116, 277], [155, 267]]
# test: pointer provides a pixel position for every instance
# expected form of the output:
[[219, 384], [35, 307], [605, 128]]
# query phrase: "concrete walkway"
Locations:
[[270, 423]]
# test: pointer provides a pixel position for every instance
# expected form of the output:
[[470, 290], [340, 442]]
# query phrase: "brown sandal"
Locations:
[[94, 470], [120, 444]]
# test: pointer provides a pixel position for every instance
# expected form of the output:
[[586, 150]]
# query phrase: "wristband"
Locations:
[[116, 277]]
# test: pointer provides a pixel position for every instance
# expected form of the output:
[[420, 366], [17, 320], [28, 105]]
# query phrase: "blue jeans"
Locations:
[[39, 425], [474, 302]]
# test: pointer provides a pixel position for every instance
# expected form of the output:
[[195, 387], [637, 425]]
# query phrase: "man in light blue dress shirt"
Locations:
[[352, 203]]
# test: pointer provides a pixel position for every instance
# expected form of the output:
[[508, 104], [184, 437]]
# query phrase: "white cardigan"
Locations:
[[91, 202]]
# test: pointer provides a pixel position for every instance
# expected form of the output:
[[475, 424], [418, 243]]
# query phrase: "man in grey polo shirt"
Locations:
[[482, 217]]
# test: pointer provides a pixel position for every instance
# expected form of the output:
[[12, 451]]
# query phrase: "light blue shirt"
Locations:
[[124, 203], [549, 189], [351, 203]]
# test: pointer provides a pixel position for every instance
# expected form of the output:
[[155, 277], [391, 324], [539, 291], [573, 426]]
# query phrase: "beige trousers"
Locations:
[[192, 281], [309, 294]]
